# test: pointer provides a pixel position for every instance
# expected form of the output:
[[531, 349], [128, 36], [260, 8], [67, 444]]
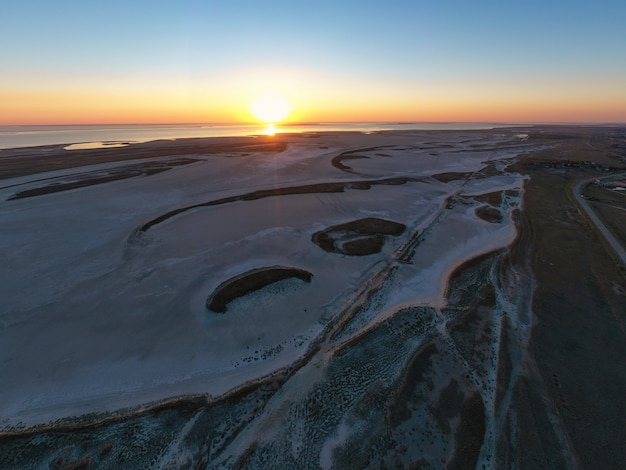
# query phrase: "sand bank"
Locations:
[[106, 278]]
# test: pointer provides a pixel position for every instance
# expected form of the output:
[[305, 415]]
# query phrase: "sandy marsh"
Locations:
[[116, 317]]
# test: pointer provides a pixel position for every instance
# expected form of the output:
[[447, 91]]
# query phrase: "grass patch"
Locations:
[[489, 214], [357, 238], [580, 322], [251, 281]]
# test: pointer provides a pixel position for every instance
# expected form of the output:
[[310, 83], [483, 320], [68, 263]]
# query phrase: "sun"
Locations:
[[271, 108]]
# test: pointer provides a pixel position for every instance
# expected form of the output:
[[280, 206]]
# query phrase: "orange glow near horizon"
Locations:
[[110, 100], [211, 64], [49, 112]]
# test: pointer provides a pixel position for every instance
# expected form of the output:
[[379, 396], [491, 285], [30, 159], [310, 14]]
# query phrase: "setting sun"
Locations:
[[271, 108]]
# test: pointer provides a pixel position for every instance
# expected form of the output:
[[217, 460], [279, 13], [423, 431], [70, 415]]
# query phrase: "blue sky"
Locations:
[[567, 48]]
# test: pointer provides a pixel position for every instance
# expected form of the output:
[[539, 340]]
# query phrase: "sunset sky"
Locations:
[[208, 61]]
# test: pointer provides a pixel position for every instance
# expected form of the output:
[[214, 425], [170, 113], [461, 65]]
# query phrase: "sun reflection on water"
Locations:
[[270, 130]]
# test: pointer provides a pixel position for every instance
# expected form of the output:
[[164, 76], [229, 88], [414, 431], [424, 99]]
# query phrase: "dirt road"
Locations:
[[597, 222]]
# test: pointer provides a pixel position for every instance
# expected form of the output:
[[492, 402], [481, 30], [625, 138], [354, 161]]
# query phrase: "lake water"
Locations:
[[93, 136]]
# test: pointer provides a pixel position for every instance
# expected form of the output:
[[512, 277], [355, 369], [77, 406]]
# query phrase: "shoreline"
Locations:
[[24, 161], [247, 153], [459, 272], [48, 157], [29, 136]]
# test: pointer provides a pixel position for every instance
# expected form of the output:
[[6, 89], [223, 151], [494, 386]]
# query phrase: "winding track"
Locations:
[[617, 247]]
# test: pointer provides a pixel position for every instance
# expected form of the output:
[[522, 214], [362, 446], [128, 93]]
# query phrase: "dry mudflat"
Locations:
[[420, 299]]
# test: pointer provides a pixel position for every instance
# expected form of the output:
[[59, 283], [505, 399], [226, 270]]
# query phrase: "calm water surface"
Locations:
[[92, 136]]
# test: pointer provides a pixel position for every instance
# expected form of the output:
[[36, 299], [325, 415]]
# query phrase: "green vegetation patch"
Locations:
[[251, 281], [494, 198], [359, 237], [490, 214]]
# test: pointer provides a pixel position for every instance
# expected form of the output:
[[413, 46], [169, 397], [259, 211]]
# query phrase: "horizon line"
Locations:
[[321, 123]]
